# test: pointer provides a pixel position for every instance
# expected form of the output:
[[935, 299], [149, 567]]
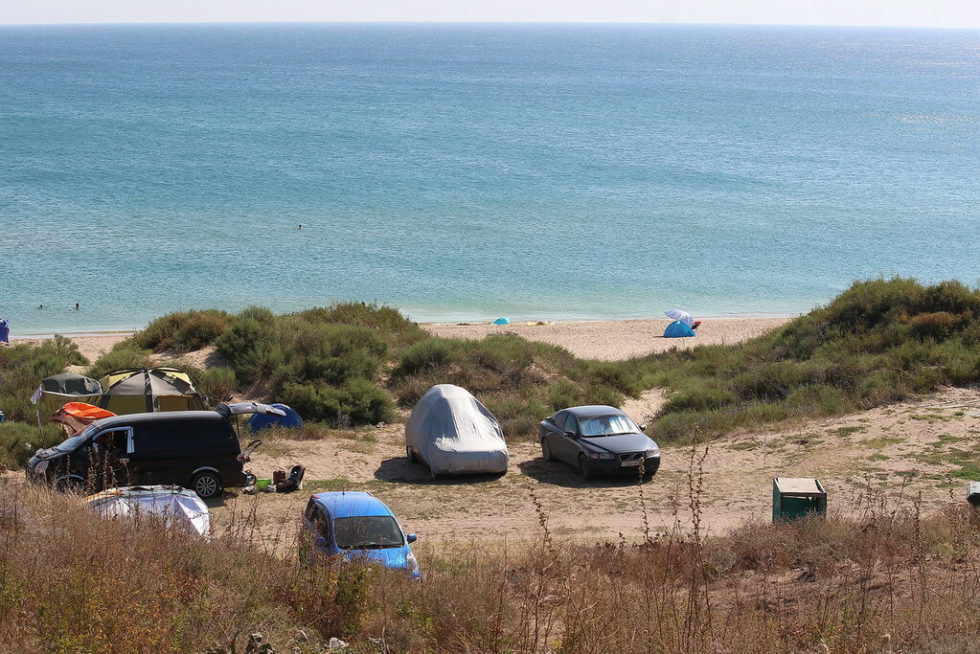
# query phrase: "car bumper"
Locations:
[[618, 467]]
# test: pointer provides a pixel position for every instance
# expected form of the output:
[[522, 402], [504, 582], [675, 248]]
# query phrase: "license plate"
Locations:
[[631, 464]]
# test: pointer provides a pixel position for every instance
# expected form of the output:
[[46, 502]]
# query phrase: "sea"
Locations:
[[462, 172]]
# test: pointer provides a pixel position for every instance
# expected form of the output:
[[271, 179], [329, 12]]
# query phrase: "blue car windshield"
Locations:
[[367, 532], [607, 426]]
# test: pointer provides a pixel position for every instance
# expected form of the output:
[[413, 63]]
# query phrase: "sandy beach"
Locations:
[[607, 340]]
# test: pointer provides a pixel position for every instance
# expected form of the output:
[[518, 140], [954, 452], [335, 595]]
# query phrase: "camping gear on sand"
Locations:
[[176, 507], [677, 329], [74, 417], [453, 433], [502, 321], [56, 390], [145, 390], [293, 482], [797, 497], [260, 421]]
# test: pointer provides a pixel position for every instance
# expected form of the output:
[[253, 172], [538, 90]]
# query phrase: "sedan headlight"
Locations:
[[601, 455], [652, 452]]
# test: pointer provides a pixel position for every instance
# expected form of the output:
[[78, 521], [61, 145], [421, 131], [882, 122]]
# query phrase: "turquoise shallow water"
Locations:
[[471, 171]]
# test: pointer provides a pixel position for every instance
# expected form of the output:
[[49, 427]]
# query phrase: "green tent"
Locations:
[[145, 390]]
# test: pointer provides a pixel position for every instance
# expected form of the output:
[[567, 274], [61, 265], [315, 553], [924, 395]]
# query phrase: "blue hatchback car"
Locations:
[[358, 526]]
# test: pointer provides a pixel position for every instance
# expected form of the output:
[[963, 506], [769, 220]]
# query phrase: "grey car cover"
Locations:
[[453, 433]]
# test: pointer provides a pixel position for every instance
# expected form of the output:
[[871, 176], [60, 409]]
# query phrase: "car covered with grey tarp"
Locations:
[[453, 433]]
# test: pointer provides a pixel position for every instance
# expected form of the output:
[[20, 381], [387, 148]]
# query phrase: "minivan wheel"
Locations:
[[206, 484]]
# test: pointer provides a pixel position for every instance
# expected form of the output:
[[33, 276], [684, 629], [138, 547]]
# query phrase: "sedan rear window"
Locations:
[[607, 426], [367, 532]]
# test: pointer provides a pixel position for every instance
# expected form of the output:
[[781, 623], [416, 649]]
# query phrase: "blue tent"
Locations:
[[260, 421], [502, 321], [677, 329]]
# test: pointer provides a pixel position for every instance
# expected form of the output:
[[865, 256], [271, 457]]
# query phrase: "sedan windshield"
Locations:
[[607, 426], [367, 532]]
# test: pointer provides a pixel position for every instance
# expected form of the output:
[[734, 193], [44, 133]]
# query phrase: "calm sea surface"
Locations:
[[472, 171]]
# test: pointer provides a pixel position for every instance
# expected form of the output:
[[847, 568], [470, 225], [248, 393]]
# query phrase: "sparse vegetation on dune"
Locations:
[[880, 341], [891, 581]]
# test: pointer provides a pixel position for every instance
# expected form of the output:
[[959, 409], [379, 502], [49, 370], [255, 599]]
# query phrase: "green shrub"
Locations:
[[356, 402], [699, 398], [183, 331], [424, 356], [122, 355], [217, 384], [23, 366], [388, 323], [19, 441]]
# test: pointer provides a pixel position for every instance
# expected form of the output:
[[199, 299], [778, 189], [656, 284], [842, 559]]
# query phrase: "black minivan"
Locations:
[[195, 449]]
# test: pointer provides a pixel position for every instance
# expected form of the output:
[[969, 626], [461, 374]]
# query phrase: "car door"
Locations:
[[108, 458], [568, 449]]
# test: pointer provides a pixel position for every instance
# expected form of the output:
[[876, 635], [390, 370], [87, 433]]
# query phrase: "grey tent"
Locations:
[[145, 390], [69, 387], [453, 433]]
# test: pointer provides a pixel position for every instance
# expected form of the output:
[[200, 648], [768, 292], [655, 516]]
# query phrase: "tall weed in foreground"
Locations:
[[888, 580]]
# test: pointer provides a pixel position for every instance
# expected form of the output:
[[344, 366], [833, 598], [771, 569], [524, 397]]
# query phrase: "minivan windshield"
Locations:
[[367, 532], [611, 425], [76, 441]]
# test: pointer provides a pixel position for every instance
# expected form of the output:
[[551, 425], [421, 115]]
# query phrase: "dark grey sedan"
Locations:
[[598, 440]]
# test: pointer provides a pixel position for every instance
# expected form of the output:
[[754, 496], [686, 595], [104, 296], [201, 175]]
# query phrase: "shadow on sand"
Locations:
[[560, 474], [400, 469]]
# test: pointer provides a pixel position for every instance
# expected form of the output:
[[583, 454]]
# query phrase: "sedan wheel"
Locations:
[[583, 465], [546, 450]]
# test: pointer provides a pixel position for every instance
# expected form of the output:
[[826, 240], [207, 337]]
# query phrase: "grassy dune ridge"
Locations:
[[353, 364]]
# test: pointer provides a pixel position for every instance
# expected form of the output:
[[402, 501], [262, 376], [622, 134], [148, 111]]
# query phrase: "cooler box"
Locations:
[[796, 497]]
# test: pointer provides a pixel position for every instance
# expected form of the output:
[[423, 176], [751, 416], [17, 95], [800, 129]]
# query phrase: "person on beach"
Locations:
[[4, 332], [77, 307]]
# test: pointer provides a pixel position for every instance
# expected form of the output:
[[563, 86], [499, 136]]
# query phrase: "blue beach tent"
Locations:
[[677, 329], [502, 321], [260, 421]]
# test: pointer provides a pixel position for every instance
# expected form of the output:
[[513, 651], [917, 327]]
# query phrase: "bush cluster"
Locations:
[[183, 331], [880, 341]]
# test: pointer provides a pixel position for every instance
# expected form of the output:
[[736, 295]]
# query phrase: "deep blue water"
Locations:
[[472, 171]]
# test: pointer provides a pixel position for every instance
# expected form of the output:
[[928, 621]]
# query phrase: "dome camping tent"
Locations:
[[139, 390], [678, 329], [57, 390]]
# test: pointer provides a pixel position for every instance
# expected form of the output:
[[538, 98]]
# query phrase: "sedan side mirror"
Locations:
[[643, 427], [571, 434], [411, 538]]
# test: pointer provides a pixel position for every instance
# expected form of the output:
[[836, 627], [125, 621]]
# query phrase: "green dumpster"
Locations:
[[796, 497], [973, 493]]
